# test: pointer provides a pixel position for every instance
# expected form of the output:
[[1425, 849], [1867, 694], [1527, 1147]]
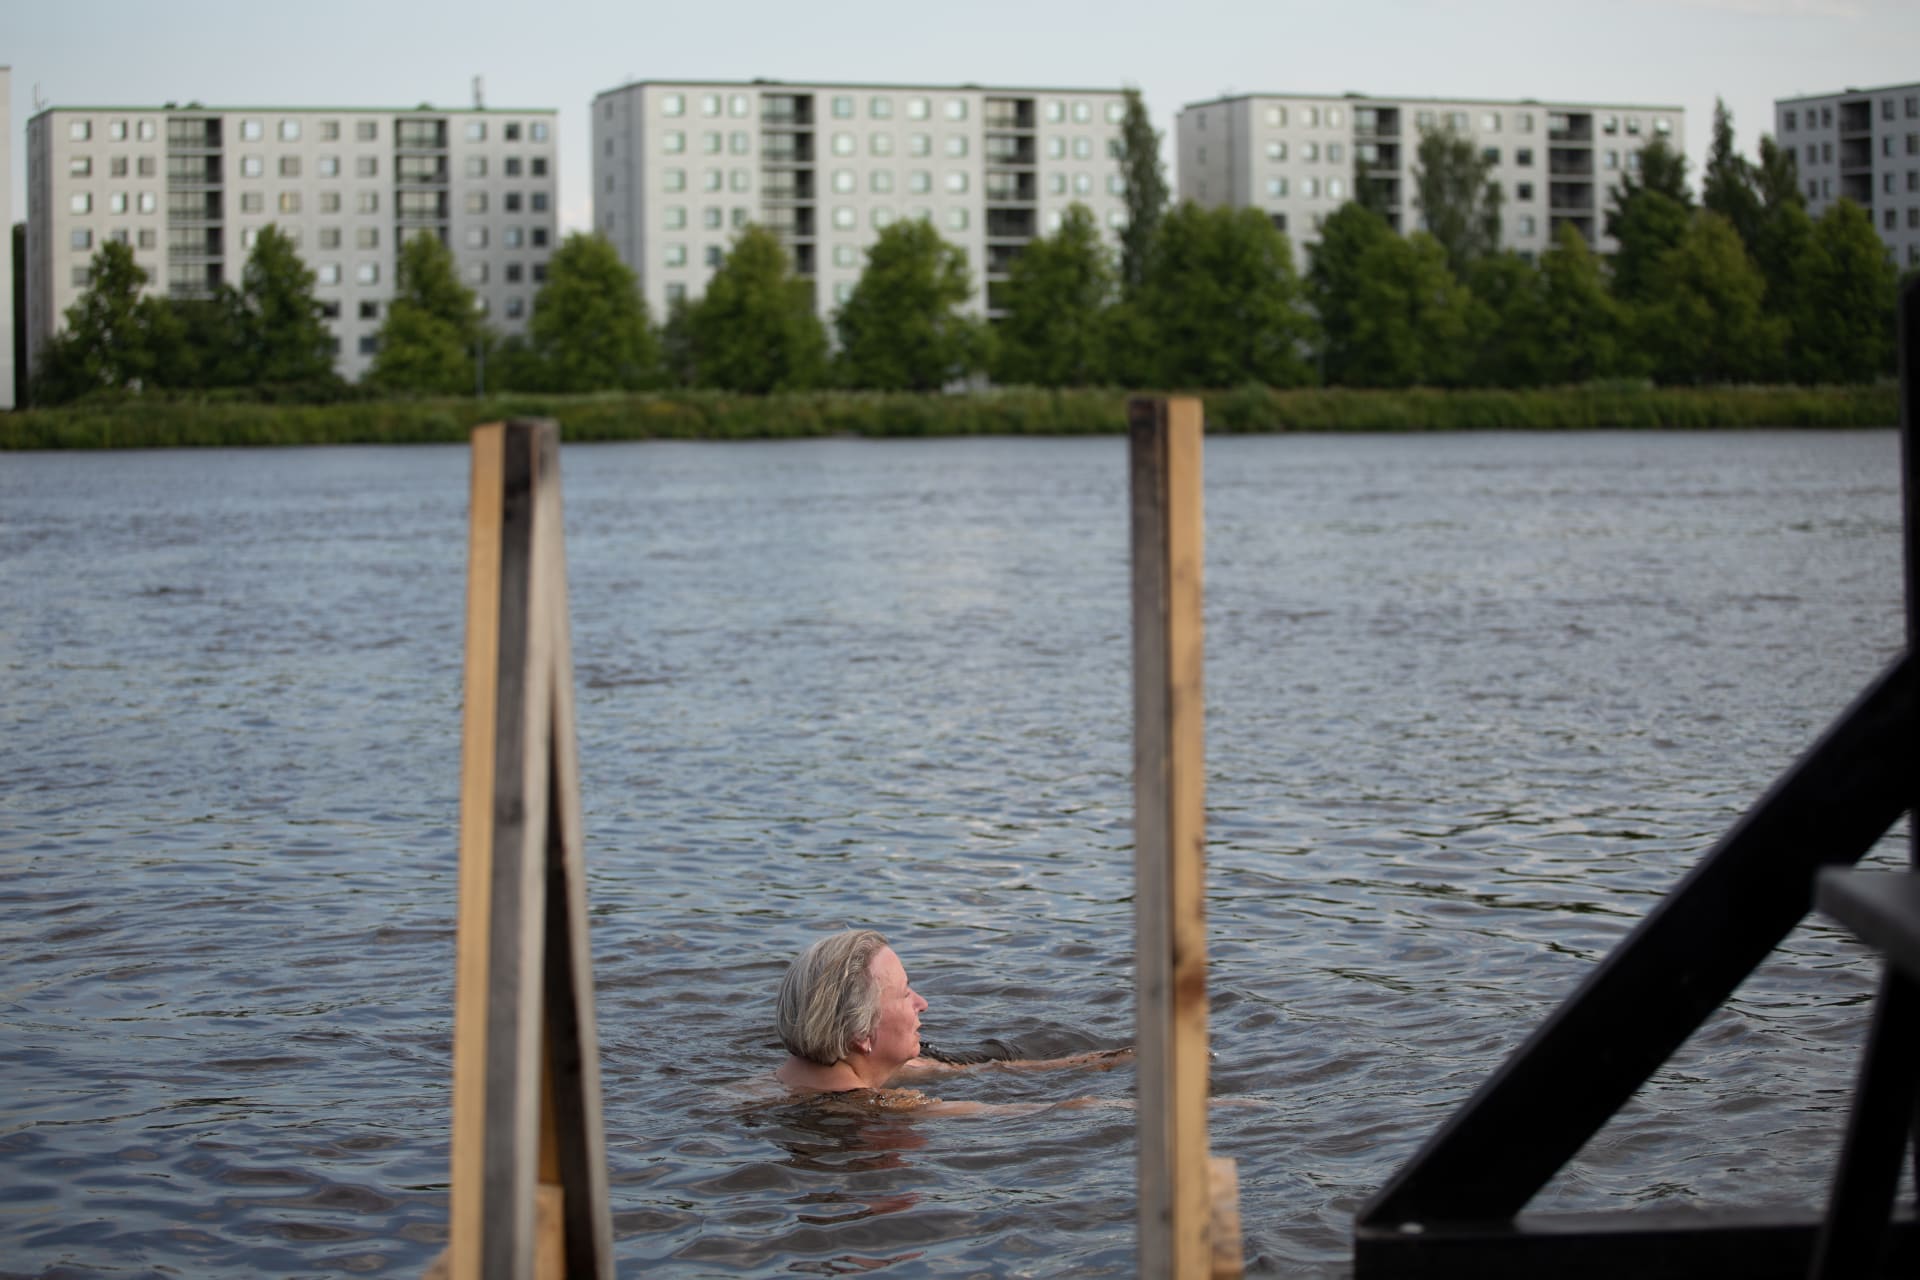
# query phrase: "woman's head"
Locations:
[[830, 998]]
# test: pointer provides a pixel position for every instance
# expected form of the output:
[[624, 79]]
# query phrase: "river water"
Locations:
[[1475, 701]]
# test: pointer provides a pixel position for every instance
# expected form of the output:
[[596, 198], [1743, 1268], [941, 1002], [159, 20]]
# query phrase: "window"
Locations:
[[880, 144], [1116, 112], [1309, 186], [117, 202], [1913, 217], [329, 131], [369, 343], [842, 107], [1633, 125], [713, 255], [516, 307], [327, 166], [537, 167], [843, 217], [843, 144], [1276, 150], [1337, 188], [845, 255], [1526, 224], [1662, 126], [512, 204], [80, 203], [1056, 148], [1309, 151], [1813, 189], [249, 236], [1490, 122], [1490, 155], [117, 129], [289, 202], [539, 131], [1082, 113], [1889, 220], [513, 273], [117, 167], [1523, 191], [80, 130], [1789, 125], [956, 145], [1082, 184], [1083, 148], [252, 166], [842, 292], [843, 180], [289, 166], [369, 238], [82, 277], [367, 130], [1057, 184], [1116, 185], [289, 130], [713, 217], [880, 217], [1335, 153], [737, 105], [147, 166], [80, 167], [81, 238], [709, 104], [513, 237], [676, 293], [476, 131], [957, 181], [676, 217], [1610, 125], [1425, 119], [880, 108], [957, 219], [252, 202], [919, 144], [252, 131], [1276, 186], [512, 165], [1913, 179], [676, 255], [476, 202], [919, 181], [917, 109], [738, 143], [880, 182], [673, 179], [367, 202], [1523, 156], [671, 104], [149, 239], [1277, 117], [329, 237], [713, 179], [329, 273], [538, 201], [956, 108], [476, 166]]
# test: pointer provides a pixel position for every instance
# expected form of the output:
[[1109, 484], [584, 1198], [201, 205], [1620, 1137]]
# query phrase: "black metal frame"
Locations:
[[1452, 1209]]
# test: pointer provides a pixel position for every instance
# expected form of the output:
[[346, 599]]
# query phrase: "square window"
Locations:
[[369, 344], [476, 273], [512, 204], [79, 130], [367, 130], [252, 166], [737, 105], [673, 179], [539, 131], [329, 237], [537, 167], [880, 182], [366, 238], [329, 202], [149, 239], [82, 277], [917, 108], [842, 106], [476, 166], [252, 202], [289, 166], [713, 180], [957, 219], [366, 167], [117, 129], [919, 181], [538, 237], [367, 273], [80, 202], [1523, 156], [919, 144], [513, 237], [252, 131], [1523, 191], [368, 202], [513, 273], [81, 238], [289, 130], [880, 144], [476, 237], [117, 202], [516, 307], [676, 217], [513, 166], [289, 202], [714, 255], [880, 108], [510, 131], [957, 181], [674, 141], [329, 273], [80, 167], [738, 180], [327, 166], [476, 131], [713, 217], [329, 131]]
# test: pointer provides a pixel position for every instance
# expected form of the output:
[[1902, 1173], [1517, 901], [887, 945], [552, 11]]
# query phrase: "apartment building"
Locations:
[[1863, 145], [190, 188], [680, 166], [8, 397], [1298, 156]]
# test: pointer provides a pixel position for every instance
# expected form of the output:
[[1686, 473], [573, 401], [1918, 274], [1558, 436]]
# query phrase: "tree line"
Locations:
[[1741, 285]]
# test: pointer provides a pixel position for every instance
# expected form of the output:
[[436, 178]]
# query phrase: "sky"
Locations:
[[238, 53]]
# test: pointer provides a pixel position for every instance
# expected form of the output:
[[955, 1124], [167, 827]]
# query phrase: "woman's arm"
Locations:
[[1092, 1060]]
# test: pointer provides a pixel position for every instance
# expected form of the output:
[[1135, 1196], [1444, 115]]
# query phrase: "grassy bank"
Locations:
[[165, 422]]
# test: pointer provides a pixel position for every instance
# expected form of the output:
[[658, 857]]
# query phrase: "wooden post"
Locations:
[[1178, 1238], [529, 1164]]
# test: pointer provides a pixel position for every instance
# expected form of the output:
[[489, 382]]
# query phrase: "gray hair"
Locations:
[[829, 999]]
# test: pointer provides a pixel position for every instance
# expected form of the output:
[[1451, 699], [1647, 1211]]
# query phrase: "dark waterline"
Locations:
[[1474, 702]]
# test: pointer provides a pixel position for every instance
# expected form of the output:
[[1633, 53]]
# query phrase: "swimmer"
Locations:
[[850, 1022]]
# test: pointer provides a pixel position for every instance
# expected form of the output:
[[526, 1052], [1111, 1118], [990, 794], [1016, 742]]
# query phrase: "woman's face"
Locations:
[[896, 1033]]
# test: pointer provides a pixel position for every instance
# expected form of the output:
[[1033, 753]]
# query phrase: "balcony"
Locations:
[[1008, 113], [193, 171], [1570, 197], [421, 206], [784, 185], [1856, 153], [193, 134], [1858, 187], [803, 259], [195, 242], [1000, 258], [420, 135], [420, 171], [1001, 149], [1570, 163], [1856, 116], [1011, 224], [787, 111], [1003, 187], [1579, 222], [193, 206], [786, 148], [1376, 122], [1570, 127], [792, 222]]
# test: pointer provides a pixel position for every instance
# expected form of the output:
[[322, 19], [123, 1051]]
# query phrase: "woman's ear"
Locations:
[[864, 1044]]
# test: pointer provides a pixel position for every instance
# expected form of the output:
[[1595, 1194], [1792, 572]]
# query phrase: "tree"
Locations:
[[1222, 301], [902, 330], [1728, 186], [1144, 182], [283, 334], [113, 333], [1414, 323], [1511, 318], [676, 343], [1647, 226], [589, 328], [1585, 330], [431, 333], [1054, 333], [755, 328], [1334, 281], [1705, 321], [1458, 200], [1846, 332]]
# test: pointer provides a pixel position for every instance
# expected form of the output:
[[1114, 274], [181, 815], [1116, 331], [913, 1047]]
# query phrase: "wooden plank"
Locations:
[[1223, 1177], [1169, 836], [476, 850], [1679, 964], [1646, 1244], [573, 1142]]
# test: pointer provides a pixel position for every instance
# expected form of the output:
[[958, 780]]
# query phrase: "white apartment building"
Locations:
[[680, 166], [190, 187], [1297, 157], [8, 373], [1863, 145]]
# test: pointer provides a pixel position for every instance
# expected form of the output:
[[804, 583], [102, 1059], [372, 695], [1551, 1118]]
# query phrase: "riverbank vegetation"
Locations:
[[1737, 310]]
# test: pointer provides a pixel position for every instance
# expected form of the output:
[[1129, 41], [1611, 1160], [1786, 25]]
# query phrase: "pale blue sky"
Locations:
[[559, 54]]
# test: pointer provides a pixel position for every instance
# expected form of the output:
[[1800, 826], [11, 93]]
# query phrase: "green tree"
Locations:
[[1728, 185], [1334, 281], [1144, 183], [1705, 321], [210, 343], [1585, 331], [1414, 322], [431, 334], [1054, 333], [1222, 301], [284, 335], [1458, 200], [1663, 168], [114, 334], [1846, 325], [589, 329], [755, 328], [902, 329], [1511, 325], [676, 343], [1647, 226]]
